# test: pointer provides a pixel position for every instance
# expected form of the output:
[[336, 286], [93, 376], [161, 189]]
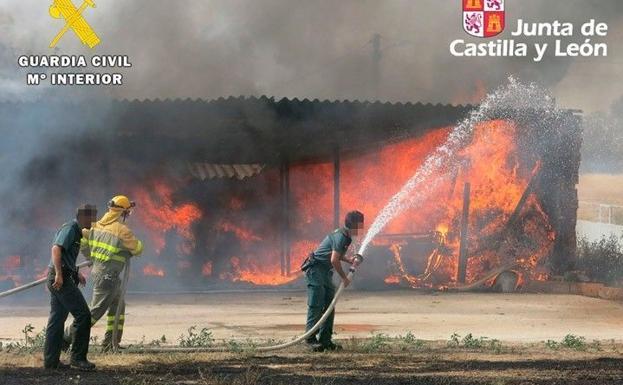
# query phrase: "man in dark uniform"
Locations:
[[65, 297], [319, 277]]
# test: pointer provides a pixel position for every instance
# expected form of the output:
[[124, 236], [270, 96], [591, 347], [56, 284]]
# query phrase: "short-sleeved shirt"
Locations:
[[338, 240], [68, 238]]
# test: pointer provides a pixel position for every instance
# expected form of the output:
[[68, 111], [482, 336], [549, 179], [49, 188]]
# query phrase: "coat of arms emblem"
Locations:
[[483, 18]]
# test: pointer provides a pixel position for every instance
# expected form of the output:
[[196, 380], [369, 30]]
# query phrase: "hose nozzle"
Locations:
[[357, 259]]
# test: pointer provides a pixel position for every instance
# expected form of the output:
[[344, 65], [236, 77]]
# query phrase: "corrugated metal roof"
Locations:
[[205, 171], [241, 130]]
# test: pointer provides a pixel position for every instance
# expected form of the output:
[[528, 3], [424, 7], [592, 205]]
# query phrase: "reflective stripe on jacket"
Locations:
[[109, 239]]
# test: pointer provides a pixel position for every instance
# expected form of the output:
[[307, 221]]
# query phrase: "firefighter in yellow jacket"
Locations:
[[110, 244]]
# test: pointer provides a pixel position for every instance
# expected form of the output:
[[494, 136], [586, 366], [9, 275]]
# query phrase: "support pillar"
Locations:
[[464, 236], [336, 188], [284, 180]]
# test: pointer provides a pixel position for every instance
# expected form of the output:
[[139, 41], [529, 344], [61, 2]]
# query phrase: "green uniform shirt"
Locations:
[[68, 238], [338, 240]]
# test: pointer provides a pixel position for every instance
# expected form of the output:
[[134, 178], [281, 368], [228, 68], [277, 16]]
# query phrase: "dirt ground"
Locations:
[[280, 315], [601, 188], [596, 189], [372, 326]]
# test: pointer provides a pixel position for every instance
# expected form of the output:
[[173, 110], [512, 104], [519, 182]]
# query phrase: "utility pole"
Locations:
[[377, 55]]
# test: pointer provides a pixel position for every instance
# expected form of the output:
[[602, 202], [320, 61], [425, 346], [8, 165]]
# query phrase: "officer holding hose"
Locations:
[[318, 268], [65, 297]]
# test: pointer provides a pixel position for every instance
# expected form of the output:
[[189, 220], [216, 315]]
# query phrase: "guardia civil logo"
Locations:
[[483, 18], [74, 20]]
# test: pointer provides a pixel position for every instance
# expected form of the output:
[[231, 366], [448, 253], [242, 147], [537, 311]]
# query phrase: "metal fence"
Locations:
[[600, 212]]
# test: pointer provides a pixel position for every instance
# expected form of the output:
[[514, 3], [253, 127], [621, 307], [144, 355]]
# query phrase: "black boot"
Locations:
[[312, 341], [332, 346], [84, 365], [107, 343], [58, 366]]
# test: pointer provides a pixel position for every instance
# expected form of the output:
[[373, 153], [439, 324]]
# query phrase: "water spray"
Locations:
[[514, 96]]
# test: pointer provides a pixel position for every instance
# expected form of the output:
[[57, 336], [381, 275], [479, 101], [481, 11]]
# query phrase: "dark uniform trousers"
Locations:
[[320, 293], [67, 300]]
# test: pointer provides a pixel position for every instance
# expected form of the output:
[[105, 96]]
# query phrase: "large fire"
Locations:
[[235, 235], [498, 181]]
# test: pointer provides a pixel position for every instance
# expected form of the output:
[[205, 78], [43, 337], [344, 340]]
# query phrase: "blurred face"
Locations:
[[86, 218], [357, 230]]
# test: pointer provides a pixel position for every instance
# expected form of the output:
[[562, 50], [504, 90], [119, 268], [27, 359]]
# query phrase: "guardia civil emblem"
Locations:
[[483, 18], [74, 20]]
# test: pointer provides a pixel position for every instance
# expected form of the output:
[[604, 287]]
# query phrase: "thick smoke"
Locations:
[[208, 49], [602, 150]]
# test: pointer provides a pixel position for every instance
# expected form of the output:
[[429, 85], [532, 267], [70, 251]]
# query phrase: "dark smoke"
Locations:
[[315, 49]]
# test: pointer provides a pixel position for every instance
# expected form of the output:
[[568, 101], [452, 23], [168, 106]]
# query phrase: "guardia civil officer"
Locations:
[[318, 270], [65, 297]]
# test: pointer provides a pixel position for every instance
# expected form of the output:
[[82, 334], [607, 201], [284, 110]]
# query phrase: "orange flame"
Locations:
[[153, 271], [157, 212], [252, 272], [10, 270], [206, 269], [242, 233], [392, 280], [491, 164], [492, 167]]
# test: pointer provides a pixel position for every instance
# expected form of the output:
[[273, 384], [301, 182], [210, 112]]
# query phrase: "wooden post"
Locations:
[[336, 188], [287, 218], [284, 181], [464, 236], [522, 201]]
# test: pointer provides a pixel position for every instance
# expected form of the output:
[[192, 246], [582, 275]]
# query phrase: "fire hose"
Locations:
[[358, 259], [124, 284], [120, 304], [37, 282]]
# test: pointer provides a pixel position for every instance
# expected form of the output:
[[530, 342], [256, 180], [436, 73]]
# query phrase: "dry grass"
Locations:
[[428, 362]]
